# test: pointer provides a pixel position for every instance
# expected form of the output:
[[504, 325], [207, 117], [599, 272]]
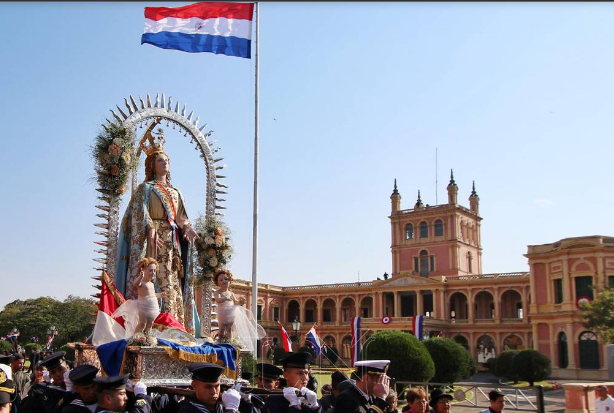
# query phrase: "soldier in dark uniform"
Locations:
[[329, 401], [7, 389], [207, 397], [268, 376], [49, 398], [82, 378], [297, 397], [368, 394], [112, 396]]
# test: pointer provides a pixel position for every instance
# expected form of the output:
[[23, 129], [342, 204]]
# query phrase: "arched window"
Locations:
[[409, 231], [424, 263], [562, 344], [424, 230], [438, 228], [589, 350]]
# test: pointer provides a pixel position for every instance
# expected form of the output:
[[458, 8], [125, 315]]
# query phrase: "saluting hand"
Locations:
[[382, 387]]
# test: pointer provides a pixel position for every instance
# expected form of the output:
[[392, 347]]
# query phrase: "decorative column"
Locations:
[[396, 311], [205, 311], [470, 306], [337, 311], [572, 342], [419, 304], [497, 304]]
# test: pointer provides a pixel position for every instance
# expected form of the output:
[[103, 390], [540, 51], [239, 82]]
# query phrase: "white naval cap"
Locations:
[[375, 366]]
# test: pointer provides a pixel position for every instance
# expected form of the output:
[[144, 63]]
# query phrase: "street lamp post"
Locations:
[[296, 326]]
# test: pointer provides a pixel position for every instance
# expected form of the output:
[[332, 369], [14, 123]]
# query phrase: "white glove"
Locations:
[[290, 395], [231, 399], [245, 396], [46, 376], [67, 381], [311, 398], [140, 388]]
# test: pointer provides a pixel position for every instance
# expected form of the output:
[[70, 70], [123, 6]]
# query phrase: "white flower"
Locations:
[[209, 240]]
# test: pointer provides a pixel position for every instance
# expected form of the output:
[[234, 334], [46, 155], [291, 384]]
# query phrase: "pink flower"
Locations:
[[114, 149]]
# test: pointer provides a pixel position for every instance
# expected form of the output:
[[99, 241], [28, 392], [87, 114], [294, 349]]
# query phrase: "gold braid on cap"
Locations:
[[7, 390], [156, 143]]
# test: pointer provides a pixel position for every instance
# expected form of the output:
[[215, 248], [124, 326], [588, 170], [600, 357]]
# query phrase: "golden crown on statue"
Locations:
[[156, 143]]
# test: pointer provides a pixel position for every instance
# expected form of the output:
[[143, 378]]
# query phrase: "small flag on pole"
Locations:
[[286, 339], [355, 340], [417, 327], [314, 338], [220, 28]]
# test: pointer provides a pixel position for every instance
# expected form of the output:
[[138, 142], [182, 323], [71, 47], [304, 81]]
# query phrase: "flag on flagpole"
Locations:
[[314, 338], [286, 339], [417, 327], [220, 28], [355, 340]]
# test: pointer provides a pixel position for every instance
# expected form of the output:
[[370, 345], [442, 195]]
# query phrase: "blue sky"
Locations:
[[516, 96]]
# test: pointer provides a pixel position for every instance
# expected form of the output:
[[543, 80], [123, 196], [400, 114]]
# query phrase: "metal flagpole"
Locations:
[[255, 232]]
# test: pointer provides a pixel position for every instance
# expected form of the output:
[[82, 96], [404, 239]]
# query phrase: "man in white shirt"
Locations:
[[604, 403]]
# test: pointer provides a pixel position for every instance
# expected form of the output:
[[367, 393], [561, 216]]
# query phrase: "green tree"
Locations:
[[5, 347], [531, 365], [248, 363], [32, 346], [409, 358], [598, 315], [74, 318], [503, 364], [451, 361]]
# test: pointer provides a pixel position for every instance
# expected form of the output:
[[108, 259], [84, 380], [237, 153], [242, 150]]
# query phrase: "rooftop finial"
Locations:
[[395, 191], [473, 193], [452, 177], [419, 201]]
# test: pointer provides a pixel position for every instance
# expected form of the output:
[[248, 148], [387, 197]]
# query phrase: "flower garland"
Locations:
[[213, 249], [113, 154]]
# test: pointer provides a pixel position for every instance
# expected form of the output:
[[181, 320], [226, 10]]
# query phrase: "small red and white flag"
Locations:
[[107, 328], [286, 339]]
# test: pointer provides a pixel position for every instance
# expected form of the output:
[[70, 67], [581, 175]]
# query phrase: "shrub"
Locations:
[[503, 364], [6, 347], [32, 346], [409, 358], [70, 352], [531, 365], [248, 363], [452, 362]]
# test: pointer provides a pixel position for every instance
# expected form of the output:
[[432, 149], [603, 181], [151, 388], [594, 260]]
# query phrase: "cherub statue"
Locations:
[[147, 303], [226, 302], [140, 314]]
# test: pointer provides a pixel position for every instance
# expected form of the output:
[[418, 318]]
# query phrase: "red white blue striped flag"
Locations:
[[220, 28], [286, 339], [355, 340], [417, 327]]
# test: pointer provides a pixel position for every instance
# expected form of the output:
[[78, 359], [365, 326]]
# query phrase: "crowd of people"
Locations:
[[52, 385]]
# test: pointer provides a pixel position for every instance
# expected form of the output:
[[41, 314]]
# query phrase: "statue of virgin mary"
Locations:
[[156, 225]]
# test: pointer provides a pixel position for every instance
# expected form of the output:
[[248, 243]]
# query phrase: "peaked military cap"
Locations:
[[207, 372], [269, 371], [112, 383], [83, 375], [297, 360], [5, 359], [372, 366], [54, 360], [336, 378], [7, 387], [247, 375]]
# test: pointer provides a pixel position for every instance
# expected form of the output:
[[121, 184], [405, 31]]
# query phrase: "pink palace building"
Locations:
[[436, 254]]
